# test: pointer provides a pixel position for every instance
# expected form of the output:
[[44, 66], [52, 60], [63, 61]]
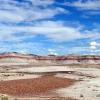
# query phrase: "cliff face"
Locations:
[[18, 58]]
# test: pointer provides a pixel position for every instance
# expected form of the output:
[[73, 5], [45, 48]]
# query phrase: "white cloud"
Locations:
[[79, 49], [72, 50], [86, 5], [6, 16], [52, 52], [27, 47], [42, 2], [54, 30], [14, 11]]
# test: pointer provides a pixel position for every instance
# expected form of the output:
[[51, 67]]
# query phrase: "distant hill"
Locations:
[[19, 58]]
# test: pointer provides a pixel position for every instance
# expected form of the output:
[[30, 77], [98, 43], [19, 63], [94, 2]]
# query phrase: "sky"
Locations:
[[50, 26]]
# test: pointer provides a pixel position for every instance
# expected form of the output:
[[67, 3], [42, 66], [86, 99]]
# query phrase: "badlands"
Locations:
[[34, 77]]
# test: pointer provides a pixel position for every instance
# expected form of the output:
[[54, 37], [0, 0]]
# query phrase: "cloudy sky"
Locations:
[[49, 26]]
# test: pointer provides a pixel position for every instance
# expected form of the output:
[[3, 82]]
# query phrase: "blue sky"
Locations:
[[50, 26]]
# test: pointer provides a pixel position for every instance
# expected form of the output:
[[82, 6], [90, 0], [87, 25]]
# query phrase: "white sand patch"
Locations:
[[88, 89], [8, 64], [90, 71], [71, 76], [44, 69]]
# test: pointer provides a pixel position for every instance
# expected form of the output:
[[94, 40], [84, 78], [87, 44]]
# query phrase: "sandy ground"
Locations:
[[86, 88], [17, 76], [43, 69]]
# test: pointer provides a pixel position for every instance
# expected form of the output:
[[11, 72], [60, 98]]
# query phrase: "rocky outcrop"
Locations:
[[18, 58]]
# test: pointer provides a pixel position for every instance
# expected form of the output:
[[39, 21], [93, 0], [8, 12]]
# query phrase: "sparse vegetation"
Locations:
[[4, 98]]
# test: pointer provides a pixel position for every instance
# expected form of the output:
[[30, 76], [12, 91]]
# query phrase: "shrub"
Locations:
[[4, 98]]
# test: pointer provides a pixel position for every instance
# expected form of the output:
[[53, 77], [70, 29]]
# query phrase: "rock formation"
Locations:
[[18, 58]]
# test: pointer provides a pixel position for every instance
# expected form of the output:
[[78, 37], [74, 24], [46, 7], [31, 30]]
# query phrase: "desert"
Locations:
[[33, 77]]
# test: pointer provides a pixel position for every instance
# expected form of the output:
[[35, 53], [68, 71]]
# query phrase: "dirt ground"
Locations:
[[30, 87], [51, 83]]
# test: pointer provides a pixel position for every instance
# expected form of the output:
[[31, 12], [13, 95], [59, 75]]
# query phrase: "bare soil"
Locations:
[[31, 87]]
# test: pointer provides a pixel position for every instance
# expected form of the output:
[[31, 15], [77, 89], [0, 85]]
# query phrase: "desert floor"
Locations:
[[50, 83]]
